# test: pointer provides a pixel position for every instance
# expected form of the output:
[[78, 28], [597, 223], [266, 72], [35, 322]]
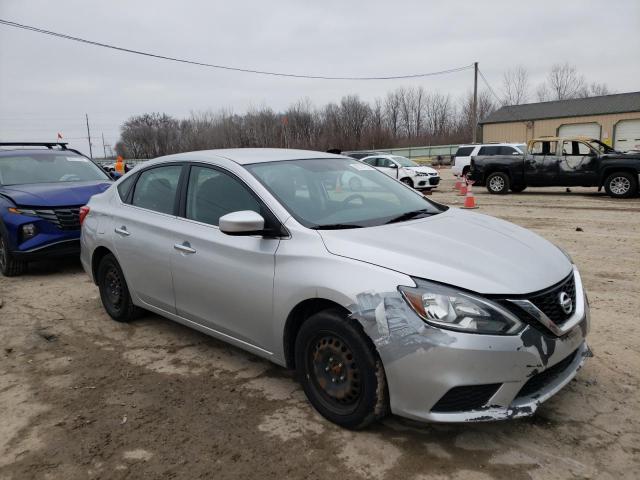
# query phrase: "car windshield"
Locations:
[[336, 193], [48, 167], [522, 147], [405, 162], [602, 147]]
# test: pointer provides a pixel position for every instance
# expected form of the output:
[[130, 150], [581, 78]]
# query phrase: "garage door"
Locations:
[[591, 130], [627, 135]]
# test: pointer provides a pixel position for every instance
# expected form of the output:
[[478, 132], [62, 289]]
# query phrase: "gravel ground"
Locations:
[[85, 397]]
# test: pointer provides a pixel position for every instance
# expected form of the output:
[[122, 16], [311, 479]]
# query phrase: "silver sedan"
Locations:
[[380, 299]]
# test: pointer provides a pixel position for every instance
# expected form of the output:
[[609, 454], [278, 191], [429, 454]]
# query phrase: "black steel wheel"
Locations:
[[9, 265], [114, 292], [340, 371], [335, 372]]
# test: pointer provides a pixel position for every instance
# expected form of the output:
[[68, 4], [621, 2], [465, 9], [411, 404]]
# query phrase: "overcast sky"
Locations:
[[48, 84]]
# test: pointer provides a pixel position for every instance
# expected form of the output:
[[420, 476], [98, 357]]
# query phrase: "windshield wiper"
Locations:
[[336, 226], [413, 214]]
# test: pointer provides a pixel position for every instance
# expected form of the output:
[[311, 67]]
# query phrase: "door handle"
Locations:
[[184, 247], [122, 231]]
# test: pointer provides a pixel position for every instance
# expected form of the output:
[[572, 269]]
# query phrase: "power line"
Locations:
[[224, 67], [500, 100]]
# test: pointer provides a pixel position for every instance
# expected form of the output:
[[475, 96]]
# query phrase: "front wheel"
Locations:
[[407, 181], [9, 265], [339, 370], [114, 292], [498, 183], [621, 185]]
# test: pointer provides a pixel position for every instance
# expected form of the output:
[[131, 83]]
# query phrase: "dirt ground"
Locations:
[[82, 396]]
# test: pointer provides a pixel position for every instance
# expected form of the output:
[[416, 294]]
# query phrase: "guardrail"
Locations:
[[420, 154]]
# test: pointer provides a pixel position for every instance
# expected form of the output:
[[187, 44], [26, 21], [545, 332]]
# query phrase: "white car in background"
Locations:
[[407, 171], [462, 158]]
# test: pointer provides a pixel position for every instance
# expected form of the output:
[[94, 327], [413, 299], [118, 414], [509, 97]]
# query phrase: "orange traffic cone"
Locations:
[[469, 199], [463, 189], [458, 183]]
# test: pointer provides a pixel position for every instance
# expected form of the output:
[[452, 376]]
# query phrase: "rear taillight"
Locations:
[[84, 211]]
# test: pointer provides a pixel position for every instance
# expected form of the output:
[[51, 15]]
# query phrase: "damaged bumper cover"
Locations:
[[441, 375]]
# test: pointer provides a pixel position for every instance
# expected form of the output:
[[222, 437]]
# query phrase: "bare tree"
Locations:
[[563, 82], [594, 89], [515, 86], [392, 112]]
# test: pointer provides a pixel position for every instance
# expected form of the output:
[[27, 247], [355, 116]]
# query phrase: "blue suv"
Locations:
[[41, 192]]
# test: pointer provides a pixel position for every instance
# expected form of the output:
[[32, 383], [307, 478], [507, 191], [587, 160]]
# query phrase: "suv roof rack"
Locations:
[[49, 145]]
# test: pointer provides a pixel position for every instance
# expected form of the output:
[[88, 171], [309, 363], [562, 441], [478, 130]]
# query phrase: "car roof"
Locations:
[[384, 155], [497, 144], [30, 151], [578, 138], [247, 156]]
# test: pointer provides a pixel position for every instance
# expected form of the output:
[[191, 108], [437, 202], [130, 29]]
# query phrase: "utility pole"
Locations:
[[104, 149], [474, 123], [89, 136]]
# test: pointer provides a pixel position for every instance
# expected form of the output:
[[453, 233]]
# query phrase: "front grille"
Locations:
[[434, 180], [542, 379], [549, 302], [471, 397], [63, 218]]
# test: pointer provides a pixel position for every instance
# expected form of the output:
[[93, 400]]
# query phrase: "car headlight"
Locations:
[[446, 307], [22, 211]]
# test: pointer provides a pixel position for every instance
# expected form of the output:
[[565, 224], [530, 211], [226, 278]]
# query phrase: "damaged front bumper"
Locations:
[[441, 375]]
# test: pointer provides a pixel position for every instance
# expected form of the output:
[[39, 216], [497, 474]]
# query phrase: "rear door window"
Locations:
[[505, 150], [156, 189], [464, 151], [492, 150]]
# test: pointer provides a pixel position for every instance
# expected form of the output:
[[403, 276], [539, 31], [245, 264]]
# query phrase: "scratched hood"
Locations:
[[60, 194], [468, 250]]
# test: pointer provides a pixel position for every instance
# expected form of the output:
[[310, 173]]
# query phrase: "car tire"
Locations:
[[465, 171], [621, 185], [518, 188], [498, 183], [355, 184], [340, 371], [10, 266], [407, 181], [114, 292]]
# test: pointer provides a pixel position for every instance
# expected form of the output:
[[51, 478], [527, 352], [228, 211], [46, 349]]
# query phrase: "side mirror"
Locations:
[[244, 222], [393, 165]]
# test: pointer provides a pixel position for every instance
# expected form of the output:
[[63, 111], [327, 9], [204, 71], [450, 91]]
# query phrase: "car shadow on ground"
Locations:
[[44, 268]]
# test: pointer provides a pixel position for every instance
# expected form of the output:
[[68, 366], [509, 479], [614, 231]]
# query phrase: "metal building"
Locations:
[[614, 119]]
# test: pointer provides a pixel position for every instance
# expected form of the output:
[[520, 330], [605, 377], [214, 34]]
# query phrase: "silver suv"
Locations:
[[365, 292]]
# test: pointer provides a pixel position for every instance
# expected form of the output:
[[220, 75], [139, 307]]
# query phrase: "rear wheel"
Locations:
[[114, 292], [339, 370], [621, 185], [498, 183], [9, 265], [407, 181]]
